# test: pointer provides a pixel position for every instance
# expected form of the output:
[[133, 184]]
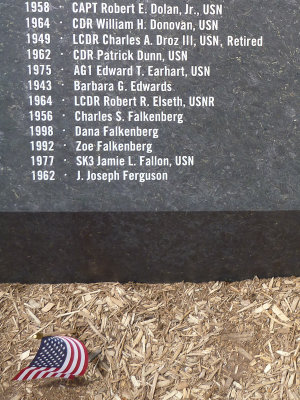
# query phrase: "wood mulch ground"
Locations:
[[204, 341]]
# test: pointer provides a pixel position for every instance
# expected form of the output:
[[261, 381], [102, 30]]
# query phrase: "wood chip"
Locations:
[[169, 395], [135, 382], [24, 355], [17, 397], [228, 382], [138, 338], [262, 308], [33, 317], [33, 303], [267, 369], [291, 380], [245, 353], [153, 386], [283, 353], [279, 313], [48, 307], [237, 385], [182, 385], [295, 303]]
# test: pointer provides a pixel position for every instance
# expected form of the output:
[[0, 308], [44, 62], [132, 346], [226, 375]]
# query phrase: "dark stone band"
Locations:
[[148, 247]]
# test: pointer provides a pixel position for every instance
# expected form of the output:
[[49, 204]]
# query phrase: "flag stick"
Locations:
[[40, 335], [94, 354]]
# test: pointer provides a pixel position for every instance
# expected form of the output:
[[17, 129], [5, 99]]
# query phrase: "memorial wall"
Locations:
[[131, 131]]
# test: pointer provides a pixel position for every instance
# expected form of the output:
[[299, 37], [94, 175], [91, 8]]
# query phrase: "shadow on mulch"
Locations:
[[75, 382]]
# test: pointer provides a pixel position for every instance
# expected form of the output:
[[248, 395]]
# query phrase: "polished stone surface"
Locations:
[[246, 148], [148, 247], [232, 215]]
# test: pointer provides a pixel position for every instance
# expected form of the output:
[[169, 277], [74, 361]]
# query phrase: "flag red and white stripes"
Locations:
[[57, 357]]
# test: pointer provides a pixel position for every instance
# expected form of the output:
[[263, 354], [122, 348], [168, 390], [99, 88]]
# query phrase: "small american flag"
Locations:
[[57, 357]]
